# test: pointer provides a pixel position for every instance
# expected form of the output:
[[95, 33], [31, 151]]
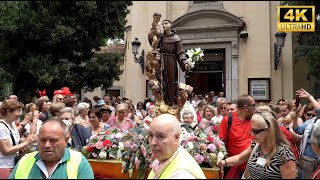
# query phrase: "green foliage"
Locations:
[[45, 44], [314, 63], [309, 43]]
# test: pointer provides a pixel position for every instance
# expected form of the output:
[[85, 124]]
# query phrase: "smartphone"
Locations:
[[297, 101]]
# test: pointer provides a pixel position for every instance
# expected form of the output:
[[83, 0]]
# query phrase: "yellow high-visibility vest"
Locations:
[[26, 163], [183, 161]]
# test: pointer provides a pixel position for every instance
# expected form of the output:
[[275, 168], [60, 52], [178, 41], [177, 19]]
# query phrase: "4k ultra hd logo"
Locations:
[[296, 18]]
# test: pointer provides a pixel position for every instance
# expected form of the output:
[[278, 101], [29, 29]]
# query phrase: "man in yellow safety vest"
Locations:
[[171, 160], [53, 160]]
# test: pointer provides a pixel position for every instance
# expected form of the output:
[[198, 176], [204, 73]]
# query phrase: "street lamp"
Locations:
[[135, 46], [281, 36]]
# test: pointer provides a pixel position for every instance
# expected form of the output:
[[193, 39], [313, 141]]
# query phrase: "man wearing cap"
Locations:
[[106, 113], [99, 103]]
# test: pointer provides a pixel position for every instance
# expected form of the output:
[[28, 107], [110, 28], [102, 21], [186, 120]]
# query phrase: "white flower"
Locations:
[[119, 135], [190, 53], [220, 156], [190, 145], [121, 146], [103, 154]]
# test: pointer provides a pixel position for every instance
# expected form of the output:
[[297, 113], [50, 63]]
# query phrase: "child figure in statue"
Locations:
[[155, 30]]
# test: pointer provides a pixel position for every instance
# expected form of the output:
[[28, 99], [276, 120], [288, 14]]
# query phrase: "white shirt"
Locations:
[[8, 161], [216, 120]]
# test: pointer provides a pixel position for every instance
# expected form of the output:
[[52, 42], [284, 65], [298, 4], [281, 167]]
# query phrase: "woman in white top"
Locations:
[[10, 111]]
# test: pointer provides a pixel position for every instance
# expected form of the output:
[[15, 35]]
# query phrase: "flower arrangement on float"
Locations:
[[133, 150], [204, 145], [130, 147], [106, 145], [136, 151]]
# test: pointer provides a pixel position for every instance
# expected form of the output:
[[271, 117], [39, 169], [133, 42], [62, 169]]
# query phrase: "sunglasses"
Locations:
[[257, 131], [313, 115], [223, 108]]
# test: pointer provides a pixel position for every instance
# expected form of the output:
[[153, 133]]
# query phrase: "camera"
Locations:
[[243, 34]]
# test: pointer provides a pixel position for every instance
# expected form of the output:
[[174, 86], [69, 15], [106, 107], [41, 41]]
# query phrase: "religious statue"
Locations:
[[162, 70], [155, 30]]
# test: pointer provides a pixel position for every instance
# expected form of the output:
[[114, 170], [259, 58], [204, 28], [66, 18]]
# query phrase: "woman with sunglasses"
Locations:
[[140, 112], [270, 154]]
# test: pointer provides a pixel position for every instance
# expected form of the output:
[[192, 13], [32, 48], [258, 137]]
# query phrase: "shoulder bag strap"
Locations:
[[12, 138]]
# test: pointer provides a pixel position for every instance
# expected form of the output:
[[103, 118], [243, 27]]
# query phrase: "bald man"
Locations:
[[171, 160], [12, 96], [53, 160]]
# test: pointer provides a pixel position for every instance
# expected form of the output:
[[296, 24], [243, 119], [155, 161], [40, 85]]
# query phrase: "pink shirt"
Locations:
[[124, 126]]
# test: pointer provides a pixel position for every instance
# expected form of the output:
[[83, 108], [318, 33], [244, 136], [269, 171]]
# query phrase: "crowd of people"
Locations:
[[273, 140]]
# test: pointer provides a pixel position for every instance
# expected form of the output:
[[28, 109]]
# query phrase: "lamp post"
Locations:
[[135, 46], [281, 36]]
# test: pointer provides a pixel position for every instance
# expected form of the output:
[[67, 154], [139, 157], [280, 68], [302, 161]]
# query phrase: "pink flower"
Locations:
[[99, 145], [199, 158], [137, 162], [206, 159], [143, 151], [94, 155], [203, 147], [127, 144], [190, 138], [212, 147]]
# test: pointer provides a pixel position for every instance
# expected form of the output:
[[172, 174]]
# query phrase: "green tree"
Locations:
[[308, 45], [50, 44]]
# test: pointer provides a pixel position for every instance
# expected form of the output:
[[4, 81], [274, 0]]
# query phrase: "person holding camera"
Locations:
[[10, 111]]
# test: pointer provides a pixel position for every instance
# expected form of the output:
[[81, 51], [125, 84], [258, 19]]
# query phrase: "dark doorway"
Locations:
[[208, 75]]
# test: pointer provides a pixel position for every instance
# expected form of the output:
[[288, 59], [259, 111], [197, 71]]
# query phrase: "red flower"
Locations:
[[210, 139], [215, 128], [90, 149], [108, 132], [107, 143]]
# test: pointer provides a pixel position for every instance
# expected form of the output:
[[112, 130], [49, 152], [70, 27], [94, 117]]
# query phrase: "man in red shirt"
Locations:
[[239, 136]]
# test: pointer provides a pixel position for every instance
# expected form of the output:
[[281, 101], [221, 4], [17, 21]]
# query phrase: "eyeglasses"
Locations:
[[223, 108], [257, 131], [313, 115]]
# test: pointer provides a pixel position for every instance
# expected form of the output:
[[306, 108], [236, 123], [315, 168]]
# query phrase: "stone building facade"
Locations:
[[230, 61]]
